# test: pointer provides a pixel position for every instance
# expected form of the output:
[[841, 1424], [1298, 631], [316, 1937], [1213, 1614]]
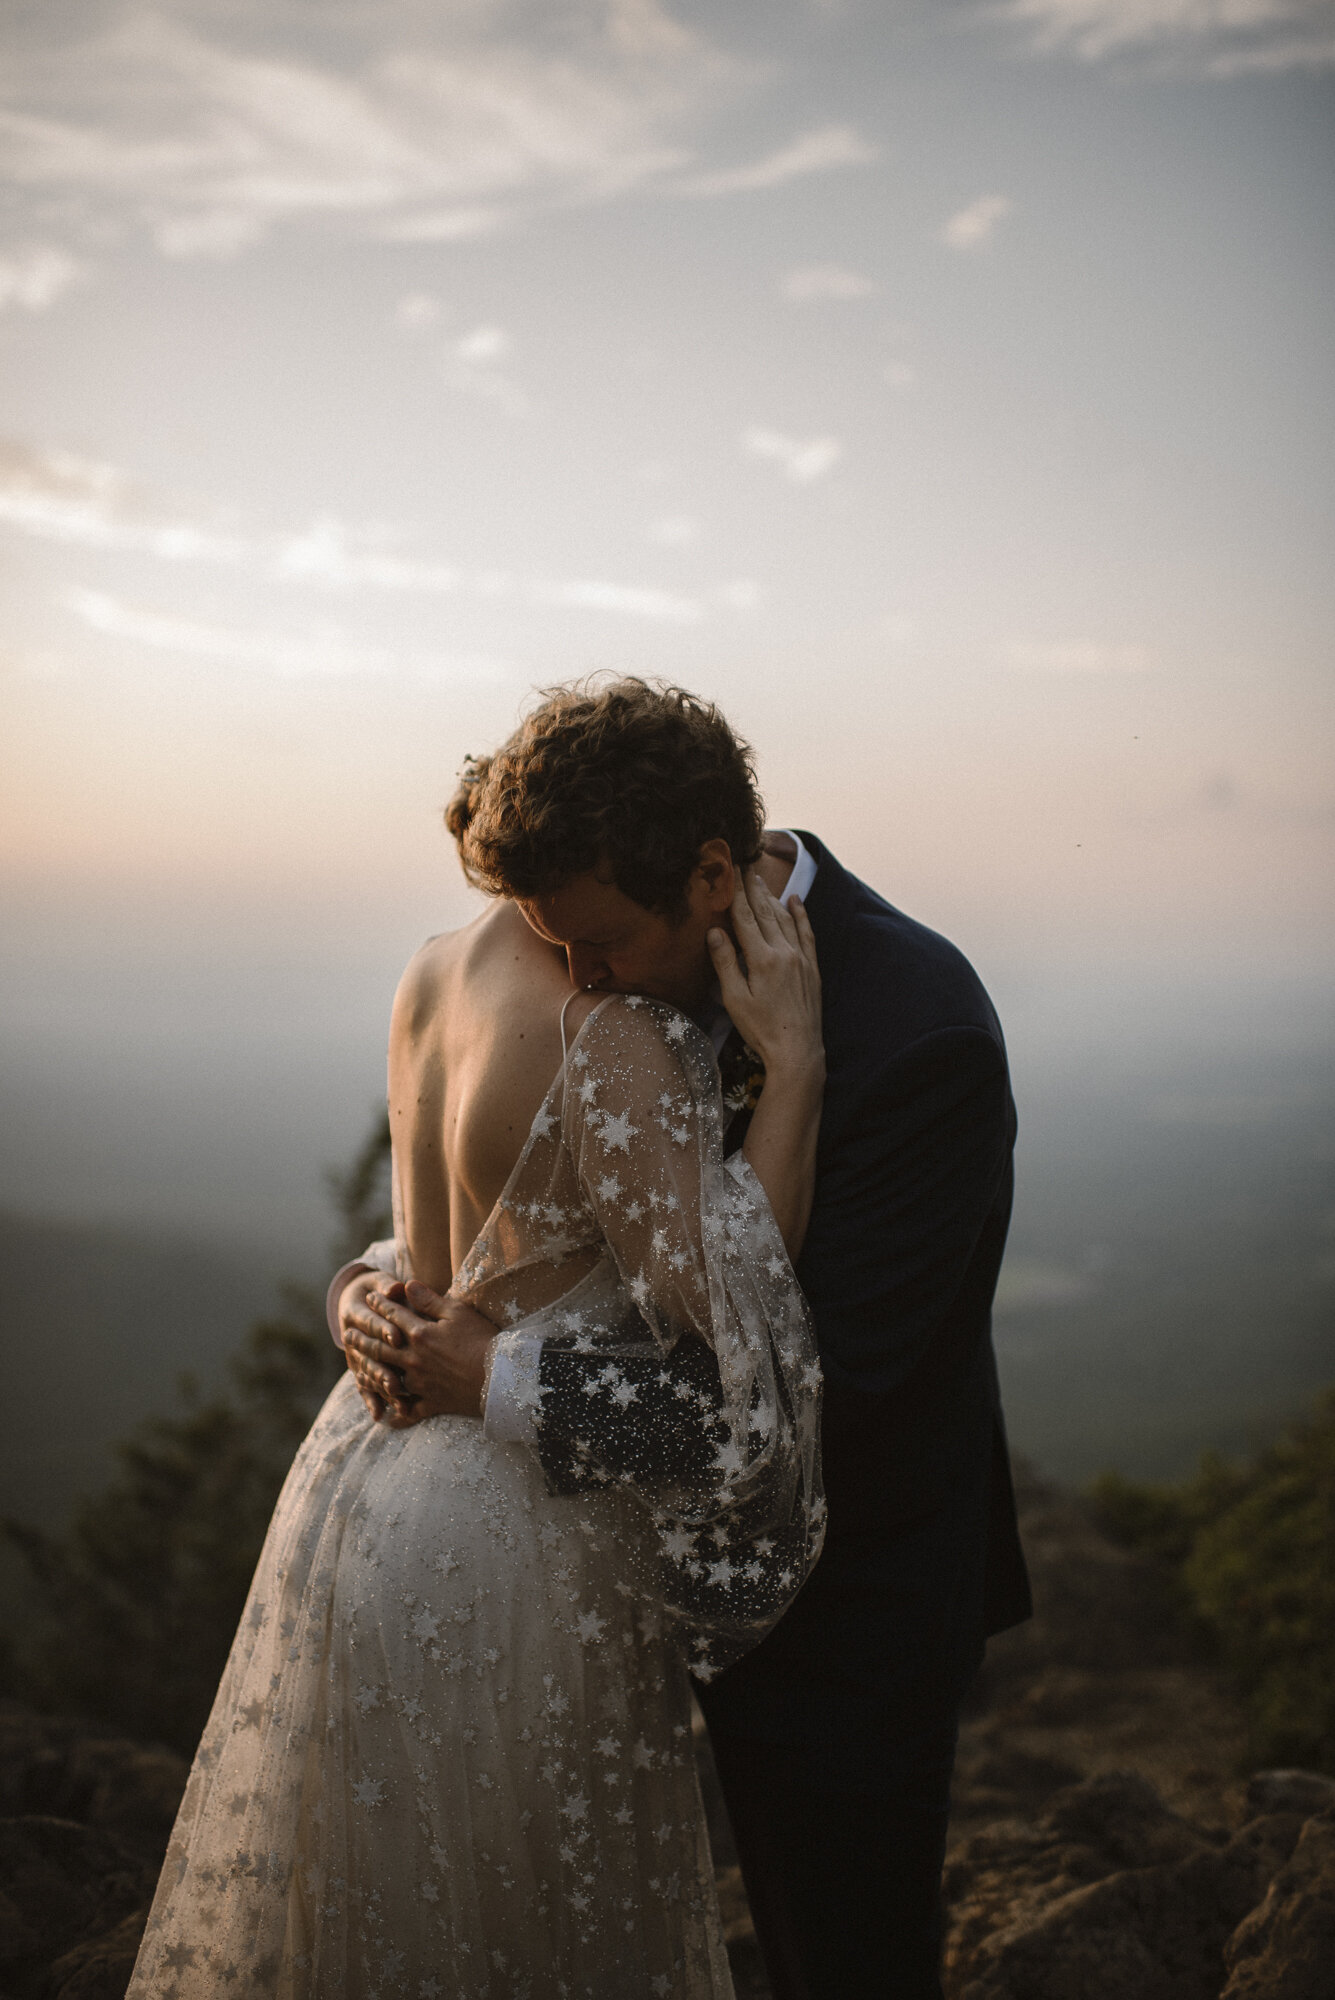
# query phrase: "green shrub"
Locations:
[[1253, 1549]]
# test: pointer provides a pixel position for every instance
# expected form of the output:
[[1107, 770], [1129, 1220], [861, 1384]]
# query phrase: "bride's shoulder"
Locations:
[[652, 1034]]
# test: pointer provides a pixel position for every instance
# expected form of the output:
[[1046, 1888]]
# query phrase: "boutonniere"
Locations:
[[742, 1074]]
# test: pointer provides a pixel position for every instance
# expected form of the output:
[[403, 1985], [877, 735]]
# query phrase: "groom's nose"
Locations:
[[587, 966]]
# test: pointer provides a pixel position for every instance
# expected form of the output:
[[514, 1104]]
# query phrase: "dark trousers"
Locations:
[[844, 1886]]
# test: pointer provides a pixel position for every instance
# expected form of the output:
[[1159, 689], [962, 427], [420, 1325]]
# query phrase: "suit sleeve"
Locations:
[[913, 1163]]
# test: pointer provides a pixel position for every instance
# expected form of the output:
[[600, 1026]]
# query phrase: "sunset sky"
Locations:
[[945, 389]]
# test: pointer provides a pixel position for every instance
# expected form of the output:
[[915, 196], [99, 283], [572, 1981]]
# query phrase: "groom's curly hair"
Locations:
[[624, 777]]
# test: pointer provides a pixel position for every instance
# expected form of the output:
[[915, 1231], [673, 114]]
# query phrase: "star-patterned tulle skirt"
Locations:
[[451, 1753]]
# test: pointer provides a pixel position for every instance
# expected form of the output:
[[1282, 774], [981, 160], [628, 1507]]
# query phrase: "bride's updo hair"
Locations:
[[623, 778]]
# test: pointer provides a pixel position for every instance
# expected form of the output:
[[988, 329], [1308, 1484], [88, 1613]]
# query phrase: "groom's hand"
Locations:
[[421, 1354]]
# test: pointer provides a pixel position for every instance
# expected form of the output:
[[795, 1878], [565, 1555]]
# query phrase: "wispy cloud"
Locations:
[[416, 311], [802, 459], [328, 552], [420, 125], [814, 152], [742, 594], [673, 531], [810, 282], [972, 226], [61, 498], [36, 276], [629, 601], [1219, 37], [471, 365], [321, 655], [1079, 658]]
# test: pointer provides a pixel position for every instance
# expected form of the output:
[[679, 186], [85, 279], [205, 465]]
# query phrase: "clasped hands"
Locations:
[[414, 1353]]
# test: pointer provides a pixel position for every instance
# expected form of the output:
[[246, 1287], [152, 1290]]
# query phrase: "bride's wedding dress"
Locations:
[[451, 1751]]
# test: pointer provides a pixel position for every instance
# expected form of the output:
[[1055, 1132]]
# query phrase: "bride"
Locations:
[[451, 1750]]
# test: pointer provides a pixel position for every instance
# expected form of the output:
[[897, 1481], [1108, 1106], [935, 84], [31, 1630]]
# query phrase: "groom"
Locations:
[[835, 1738]]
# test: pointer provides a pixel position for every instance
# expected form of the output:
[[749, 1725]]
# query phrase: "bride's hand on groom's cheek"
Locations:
[[418, 1353]]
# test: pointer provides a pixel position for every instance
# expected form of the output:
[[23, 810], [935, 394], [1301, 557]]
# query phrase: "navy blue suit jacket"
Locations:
[[912, 1200], [922, 1557]]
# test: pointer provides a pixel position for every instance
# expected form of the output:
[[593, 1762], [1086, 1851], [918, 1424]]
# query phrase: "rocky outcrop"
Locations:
[[1108, 1894], [84, 1819], [1105, 1847], [1285, 1948]]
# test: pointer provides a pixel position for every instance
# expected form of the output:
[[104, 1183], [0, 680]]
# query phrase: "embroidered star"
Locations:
[[609, 1188], [618, 1132], [728, 1459]]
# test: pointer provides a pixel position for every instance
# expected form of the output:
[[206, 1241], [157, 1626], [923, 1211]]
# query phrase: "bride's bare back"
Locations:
[[475, 1041]]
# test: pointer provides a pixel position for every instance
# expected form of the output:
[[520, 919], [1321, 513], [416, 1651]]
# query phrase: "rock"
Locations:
[[63, 1884], [1302, 1792], [1285, 1948], [58, 1767], [995, 1778], [1108, 1896], [99, 1970]]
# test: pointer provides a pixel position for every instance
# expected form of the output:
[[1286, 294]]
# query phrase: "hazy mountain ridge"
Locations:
[[1170, 1281], [1169, 1288], [97, 1326]]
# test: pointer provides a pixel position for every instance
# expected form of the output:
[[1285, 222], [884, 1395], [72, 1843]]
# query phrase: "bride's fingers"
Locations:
[[723, 952], [763, 907], [727, 968], [746, 925], [806, 937], [783, 918]]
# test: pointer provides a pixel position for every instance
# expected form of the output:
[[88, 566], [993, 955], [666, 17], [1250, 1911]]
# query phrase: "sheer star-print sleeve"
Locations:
[[679, 1364]]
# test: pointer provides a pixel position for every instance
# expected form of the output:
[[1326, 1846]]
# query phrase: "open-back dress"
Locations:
[[451, 1751]]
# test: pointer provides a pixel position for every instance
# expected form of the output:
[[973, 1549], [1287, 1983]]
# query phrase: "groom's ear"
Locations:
[[718, 874]]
